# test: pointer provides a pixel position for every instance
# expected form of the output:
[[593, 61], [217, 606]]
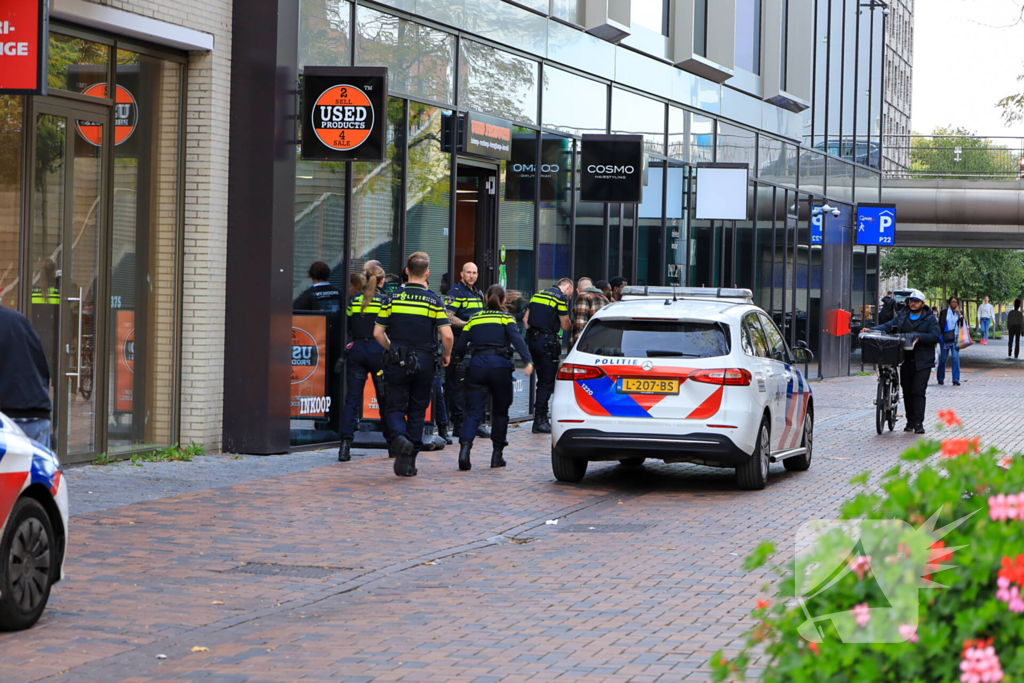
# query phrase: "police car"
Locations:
[[33, 526], [692, 375]]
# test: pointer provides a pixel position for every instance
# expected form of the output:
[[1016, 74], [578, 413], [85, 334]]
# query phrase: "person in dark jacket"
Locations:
[[888, 310], [490, 336], [917, 321], [1014, 324], [24, 377]]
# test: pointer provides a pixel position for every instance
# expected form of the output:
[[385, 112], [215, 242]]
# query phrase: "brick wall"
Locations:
[[206, 211]]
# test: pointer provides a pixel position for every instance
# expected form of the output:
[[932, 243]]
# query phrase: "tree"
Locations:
[[967, 273], [958, 153]]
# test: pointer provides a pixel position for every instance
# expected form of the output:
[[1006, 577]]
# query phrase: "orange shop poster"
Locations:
[[371, 404], [309, 366], [124, 372]]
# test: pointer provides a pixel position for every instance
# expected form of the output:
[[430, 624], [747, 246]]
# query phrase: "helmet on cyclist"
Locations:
[[915, 294]]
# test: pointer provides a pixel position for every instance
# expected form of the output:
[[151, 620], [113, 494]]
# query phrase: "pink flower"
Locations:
[[980, 664], [1006, 461], [909, 632], [862, 614], [999, 508], [860, 566]]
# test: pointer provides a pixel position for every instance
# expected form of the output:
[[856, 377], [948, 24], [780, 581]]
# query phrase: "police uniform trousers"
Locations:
[[408, 398], [546, 370], [365, 356], [453, 393], [914, 382], [440, 412], [488, 374]]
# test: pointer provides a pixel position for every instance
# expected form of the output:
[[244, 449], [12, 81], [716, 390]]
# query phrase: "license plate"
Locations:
[[631, 385]]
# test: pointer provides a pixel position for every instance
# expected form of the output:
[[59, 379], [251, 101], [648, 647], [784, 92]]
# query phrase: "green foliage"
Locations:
[[967, 609], [104, 459], [170, 454], [958, 153], [966, 273]]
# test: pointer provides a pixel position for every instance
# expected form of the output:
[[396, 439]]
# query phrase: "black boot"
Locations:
[[464, 448], [483, 432], [496, 459], [345, 452], [405, 465], [541, 424], [442, 431]]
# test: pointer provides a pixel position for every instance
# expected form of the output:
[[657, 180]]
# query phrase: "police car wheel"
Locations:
[[566, 469], [632, 462], [753, 474], [803, 462], [27, 553]]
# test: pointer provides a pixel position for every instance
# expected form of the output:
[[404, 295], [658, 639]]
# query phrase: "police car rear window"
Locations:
[[655, 339]]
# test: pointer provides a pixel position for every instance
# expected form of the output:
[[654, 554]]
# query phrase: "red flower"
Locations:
[[1013, 569], [936, 558], [957, 446], [761, 604], [813, 647], [949, 418]]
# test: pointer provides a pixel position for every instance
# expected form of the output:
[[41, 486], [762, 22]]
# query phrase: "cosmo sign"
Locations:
[[23, 30]]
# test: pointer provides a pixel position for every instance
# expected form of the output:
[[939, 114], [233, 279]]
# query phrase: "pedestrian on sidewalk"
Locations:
[[589, 300], [917, 321], [985, 315], [1014, 323], [887, 311], [24, 377], [951, 319]]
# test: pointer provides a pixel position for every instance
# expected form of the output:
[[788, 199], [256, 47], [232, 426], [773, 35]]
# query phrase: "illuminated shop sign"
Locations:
[[612, 168], [344, 114]]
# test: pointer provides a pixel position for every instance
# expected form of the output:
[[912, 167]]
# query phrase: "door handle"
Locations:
[[78, 365]]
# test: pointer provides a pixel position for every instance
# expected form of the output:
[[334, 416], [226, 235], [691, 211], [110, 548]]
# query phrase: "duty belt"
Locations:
[[363, 339], [490, 352]]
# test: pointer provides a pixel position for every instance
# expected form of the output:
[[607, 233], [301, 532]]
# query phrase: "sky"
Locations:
[[967, 56]]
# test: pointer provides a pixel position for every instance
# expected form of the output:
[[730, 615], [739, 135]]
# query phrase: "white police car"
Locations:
[[33, 526], [687, 375]]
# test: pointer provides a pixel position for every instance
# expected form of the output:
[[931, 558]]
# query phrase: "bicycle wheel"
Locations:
[[881, 404], [894, 403]]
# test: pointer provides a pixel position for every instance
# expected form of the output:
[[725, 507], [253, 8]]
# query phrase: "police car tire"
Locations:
[[632, 462], [26, 513], [753, 474], [803, 462], [566, 469]]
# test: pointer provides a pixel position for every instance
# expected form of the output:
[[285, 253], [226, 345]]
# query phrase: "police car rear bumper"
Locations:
[[702, 448]]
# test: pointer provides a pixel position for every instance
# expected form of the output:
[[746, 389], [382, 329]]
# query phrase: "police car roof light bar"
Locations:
[[733, 294]]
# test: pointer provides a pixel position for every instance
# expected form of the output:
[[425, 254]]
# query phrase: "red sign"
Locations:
[[126, 116], [343, 117], [124, 369], [23, 31], [309, 366]]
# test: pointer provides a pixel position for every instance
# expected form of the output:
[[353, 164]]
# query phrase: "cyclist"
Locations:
[[915, 320]]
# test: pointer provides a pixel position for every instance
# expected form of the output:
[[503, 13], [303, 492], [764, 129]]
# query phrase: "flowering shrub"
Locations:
[[966, 623]]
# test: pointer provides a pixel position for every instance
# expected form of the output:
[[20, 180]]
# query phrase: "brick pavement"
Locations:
[[455, 575]]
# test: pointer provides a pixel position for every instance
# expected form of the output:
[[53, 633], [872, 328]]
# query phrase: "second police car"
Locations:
[[686, 375]]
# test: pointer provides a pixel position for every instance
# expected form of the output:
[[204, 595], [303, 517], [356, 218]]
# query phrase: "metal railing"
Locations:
[[953, 156]]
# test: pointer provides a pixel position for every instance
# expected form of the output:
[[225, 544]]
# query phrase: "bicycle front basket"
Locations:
[[881, 349]]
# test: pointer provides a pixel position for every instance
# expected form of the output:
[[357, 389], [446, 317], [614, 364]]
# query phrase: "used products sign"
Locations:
[[612, 168], [23, 31], [344, 113]]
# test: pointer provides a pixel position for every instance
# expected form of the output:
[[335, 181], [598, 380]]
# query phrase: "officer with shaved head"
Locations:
[[463, 302]]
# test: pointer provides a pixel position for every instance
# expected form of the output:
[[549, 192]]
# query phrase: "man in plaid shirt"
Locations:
[[589, 300]]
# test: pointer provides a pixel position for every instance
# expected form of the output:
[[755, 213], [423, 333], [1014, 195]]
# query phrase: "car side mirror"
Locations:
[[803, 355]]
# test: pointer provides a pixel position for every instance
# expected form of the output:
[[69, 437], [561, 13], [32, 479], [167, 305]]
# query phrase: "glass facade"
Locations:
[[522, 220]]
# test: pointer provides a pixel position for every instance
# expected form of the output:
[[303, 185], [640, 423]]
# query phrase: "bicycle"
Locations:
[[885, 351]]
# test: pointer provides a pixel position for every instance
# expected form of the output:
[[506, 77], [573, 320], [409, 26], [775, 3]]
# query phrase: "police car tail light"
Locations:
[[571, 372], [730, 377]]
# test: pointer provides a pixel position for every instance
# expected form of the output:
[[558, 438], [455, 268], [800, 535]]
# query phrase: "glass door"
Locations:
[[475, 234], [68, 191]]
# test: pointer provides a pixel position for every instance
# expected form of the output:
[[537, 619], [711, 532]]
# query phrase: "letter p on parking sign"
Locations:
[[23, 40]]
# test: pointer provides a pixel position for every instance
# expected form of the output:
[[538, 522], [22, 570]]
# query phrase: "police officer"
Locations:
[[490, 337], [464, 300], [364, 356], [547, 314], [406, 326]]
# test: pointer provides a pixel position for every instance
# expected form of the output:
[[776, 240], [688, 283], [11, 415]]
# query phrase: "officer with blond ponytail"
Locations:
[[488, 339], [365, 355]]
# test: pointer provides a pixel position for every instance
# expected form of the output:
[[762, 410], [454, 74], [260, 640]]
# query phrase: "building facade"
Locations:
[[199, 226], [899, 86]]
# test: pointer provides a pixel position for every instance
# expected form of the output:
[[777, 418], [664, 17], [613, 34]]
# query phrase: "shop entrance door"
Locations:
[[476, 220], [67, 200]]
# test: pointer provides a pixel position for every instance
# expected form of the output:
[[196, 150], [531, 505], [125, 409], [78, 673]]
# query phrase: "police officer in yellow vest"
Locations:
[[489, 338], [464, 301], [547, 314], [408, 323]]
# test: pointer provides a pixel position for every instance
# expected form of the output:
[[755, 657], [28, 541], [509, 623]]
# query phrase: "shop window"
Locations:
[[563, 93], [639, 115], [421, 60], [324, 32], [702, 139], [376, 194], [428, 191], [677, 228], [77, 65], [555, 209], [737, 145], [11, 136], [678, 134], [497, 82], [144, 263]]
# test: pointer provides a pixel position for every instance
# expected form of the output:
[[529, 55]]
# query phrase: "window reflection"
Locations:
[[702, 139], [428, 190], [563, 93], [497, 82], [639, 115], [736, 145], [324, 32], [77, 65], [11, 117], [748, 35]]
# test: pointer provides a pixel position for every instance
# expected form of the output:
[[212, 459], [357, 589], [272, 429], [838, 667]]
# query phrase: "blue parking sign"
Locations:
[[876, 224], [816, 220]]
